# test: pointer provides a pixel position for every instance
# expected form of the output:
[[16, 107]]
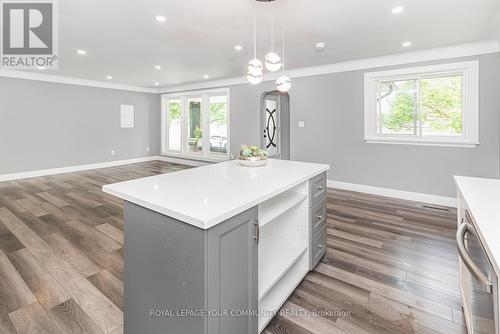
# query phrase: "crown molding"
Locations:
[[448, 52], [73, 81], [454, 51]]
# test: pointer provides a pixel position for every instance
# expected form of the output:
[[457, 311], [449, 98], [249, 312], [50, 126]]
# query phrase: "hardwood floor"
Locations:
[[391, 265]]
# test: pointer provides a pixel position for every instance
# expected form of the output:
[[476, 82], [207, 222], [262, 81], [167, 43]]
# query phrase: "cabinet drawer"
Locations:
[[317, 190], [318, 247], [318, 217]]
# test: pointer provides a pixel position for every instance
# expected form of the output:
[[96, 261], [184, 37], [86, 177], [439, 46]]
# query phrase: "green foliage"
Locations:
[[253, 151], [198, 133], [441, 105], [174, 110], [403, 111], [218, 113]]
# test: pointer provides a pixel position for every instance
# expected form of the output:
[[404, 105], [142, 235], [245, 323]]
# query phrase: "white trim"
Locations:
[[469, 72], [420, 142], [71, 169], [448, 52], [394, 193], [73, 81], [185, 161], [78, 168], [204, 97]]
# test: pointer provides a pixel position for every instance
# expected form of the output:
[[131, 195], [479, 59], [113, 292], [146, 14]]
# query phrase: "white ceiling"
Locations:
[[123, 39]]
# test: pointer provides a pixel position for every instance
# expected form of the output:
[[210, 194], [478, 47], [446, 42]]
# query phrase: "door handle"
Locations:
[[319, 217], [256, 236], [467, 260]]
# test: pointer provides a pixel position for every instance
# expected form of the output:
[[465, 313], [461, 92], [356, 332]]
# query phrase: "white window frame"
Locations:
[[469, 71], [205, 95]]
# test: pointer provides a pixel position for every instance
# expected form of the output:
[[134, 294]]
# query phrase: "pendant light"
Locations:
[[272, 60], [283, 84], [254, 74]]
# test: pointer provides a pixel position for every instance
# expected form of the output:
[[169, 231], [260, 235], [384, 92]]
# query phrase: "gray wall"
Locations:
[[332, 108], [48, 125]]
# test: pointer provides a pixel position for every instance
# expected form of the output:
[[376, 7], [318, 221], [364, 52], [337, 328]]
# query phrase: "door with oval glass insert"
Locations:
[[275, 125]]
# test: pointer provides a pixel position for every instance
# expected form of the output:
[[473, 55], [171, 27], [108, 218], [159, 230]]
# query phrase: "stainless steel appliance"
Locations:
[[478, 281]]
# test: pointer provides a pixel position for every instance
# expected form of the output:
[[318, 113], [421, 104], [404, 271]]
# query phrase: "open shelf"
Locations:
[[278, 205], [276, 256], [278, 295]]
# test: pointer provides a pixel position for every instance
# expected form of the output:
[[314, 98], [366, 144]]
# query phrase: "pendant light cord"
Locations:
[[254, 31], [273, 24], [283, 45]]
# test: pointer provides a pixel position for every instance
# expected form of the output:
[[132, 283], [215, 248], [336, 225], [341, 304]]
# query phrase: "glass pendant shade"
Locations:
[[254, 78], [273, 62], [255, 67], [283, 84]]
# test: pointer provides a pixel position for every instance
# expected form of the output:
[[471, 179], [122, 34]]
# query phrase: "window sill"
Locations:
[[420, 142]]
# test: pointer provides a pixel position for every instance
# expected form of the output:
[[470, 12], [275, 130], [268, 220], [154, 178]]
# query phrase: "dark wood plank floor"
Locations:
[[391, 264], [391, 267]]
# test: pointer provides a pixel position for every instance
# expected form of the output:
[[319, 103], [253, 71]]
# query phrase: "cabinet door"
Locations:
[[232, 274]]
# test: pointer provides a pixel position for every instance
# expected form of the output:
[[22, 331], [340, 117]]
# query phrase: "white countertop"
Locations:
[[205, 196], [483, 199]]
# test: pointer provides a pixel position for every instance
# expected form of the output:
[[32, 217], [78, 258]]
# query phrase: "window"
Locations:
[[432, 105], [196, 124]]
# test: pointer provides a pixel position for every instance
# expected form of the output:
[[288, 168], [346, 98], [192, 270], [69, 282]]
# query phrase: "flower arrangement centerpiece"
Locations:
[[252, 156]]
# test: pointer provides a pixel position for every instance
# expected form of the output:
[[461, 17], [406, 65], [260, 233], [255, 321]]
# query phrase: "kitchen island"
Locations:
[[219, 248]]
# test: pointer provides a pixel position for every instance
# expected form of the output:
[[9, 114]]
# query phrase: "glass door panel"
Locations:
[[218, 125], [174, 113], [195, 133]]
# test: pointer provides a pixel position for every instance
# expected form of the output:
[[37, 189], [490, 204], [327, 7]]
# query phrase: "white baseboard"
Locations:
[[182, 161], [394, 193], [70, 169]]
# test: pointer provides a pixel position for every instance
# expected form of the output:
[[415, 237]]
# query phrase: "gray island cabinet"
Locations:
[[218, 249]]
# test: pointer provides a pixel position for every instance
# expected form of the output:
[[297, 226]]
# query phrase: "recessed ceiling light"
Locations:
[[238, 47], [41, 67], [160, 18], [320, 46], [406, 44], [398, 10], [157, 67], [157, 83], [82, 52], [205, 76], [109, 77]]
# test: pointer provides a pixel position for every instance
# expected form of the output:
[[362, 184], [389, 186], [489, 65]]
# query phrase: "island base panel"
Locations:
[[173, 268]]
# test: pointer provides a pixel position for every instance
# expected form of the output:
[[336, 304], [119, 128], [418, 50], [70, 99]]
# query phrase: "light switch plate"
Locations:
[[301, 124], [127, 116]]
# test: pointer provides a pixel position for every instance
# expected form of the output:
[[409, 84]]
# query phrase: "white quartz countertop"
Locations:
[[483, 199], [205, 196]]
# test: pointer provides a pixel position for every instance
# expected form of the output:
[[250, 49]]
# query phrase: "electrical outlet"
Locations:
[[301, 124], [113, 152], [147, 149]]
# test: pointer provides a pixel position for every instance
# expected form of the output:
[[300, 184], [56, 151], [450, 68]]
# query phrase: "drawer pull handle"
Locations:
[[320, 187], [319, 218], [320, 246]]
